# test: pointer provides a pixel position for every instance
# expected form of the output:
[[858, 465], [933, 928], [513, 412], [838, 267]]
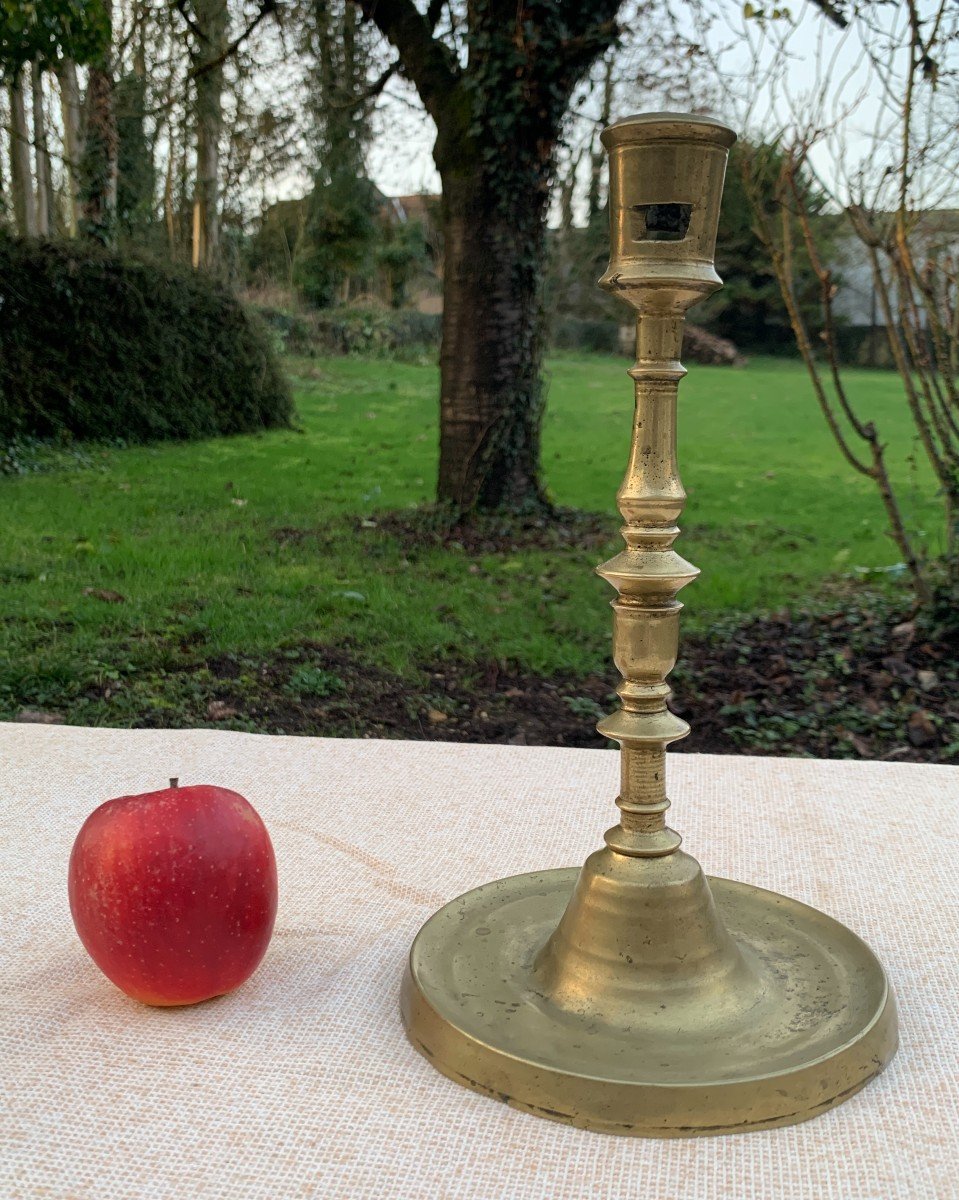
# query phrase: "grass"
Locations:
[[122, 566]]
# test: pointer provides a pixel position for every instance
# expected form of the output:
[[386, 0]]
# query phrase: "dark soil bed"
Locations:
[[833, 683], [489, 533]]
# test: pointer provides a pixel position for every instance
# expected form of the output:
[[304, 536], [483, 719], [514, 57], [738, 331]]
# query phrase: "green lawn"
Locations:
[[188, 535]]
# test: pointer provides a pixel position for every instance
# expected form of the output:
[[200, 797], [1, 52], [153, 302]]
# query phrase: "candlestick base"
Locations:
[[636, 997]]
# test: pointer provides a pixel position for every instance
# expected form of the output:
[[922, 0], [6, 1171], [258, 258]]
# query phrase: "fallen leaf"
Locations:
[[105, 594], [860, 745], [368, 524], [219, 710], [927, 680], [904, 633], [436, 716], [921, 729], [238, 502]]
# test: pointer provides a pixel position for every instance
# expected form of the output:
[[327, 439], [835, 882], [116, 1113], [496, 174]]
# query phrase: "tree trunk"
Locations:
[[72, 142], [169, 218], [211, 19], [206, 197], [45, 201], [4, 196], [498, 113], [99, 189], [21, 179], [491, 393]]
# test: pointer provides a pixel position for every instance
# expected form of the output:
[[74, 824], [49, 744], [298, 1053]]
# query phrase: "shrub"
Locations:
[[95, 345], [371, 332]]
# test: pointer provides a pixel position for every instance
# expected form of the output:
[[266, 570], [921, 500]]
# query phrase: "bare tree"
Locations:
[[845, 423], [98, 201], [888, 203], [70, 110], [4, 193], [211, 48], [41, 150], [21, 177], [209, 22]]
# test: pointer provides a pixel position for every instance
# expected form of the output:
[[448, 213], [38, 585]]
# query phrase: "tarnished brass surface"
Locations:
[[635, 996], [793, 1021]]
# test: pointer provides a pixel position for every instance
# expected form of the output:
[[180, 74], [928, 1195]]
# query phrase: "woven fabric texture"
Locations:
[[301, 1083]]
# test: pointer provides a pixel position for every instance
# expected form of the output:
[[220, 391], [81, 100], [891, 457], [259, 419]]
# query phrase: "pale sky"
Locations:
[[823, 72], [401, 159]]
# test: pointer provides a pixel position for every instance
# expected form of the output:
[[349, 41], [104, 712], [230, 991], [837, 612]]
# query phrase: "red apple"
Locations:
[[173, 893]]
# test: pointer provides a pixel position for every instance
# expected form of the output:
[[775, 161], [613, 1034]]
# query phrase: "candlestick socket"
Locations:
[[666, 175]]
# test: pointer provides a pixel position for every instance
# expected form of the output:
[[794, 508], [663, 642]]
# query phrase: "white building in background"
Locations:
[[857, 302]]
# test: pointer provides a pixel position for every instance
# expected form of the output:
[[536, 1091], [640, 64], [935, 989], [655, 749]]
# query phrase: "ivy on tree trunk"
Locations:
[[491, 400], [98, 170]]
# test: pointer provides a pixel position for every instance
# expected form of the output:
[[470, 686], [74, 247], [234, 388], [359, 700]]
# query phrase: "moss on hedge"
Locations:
[[95, 345]]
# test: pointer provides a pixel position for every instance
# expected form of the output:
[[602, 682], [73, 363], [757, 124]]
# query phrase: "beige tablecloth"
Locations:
[[301, 1084]]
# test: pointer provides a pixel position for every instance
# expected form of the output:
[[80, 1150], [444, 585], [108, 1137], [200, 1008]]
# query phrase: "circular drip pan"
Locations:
[[816, 1025]]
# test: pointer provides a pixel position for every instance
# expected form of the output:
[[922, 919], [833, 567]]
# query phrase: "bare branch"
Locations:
[[266, 9], [900, 353], [426, 62], [371, 92]]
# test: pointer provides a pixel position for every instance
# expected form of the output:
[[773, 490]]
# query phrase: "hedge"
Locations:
[[94, 345]]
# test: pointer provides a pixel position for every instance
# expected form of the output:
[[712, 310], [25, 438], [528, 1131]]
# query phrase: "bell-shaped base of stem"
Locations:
[[638, 997]]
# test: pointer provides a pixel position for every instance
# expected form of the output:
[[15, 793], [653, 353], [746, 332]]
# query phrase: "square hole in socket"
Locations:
[[660, 222]]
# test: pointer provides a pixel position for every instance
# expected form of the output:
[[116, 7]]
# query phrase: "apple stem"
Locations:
[[175, 782]]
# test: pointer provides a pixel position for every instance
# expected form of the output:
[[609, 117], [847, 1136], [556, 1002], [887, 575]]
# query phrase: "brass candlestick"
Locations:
[[636, 996]]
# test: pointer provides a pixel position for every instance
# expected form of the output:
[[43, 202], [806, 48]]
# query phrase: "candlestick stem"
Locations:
[[647, 576]]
